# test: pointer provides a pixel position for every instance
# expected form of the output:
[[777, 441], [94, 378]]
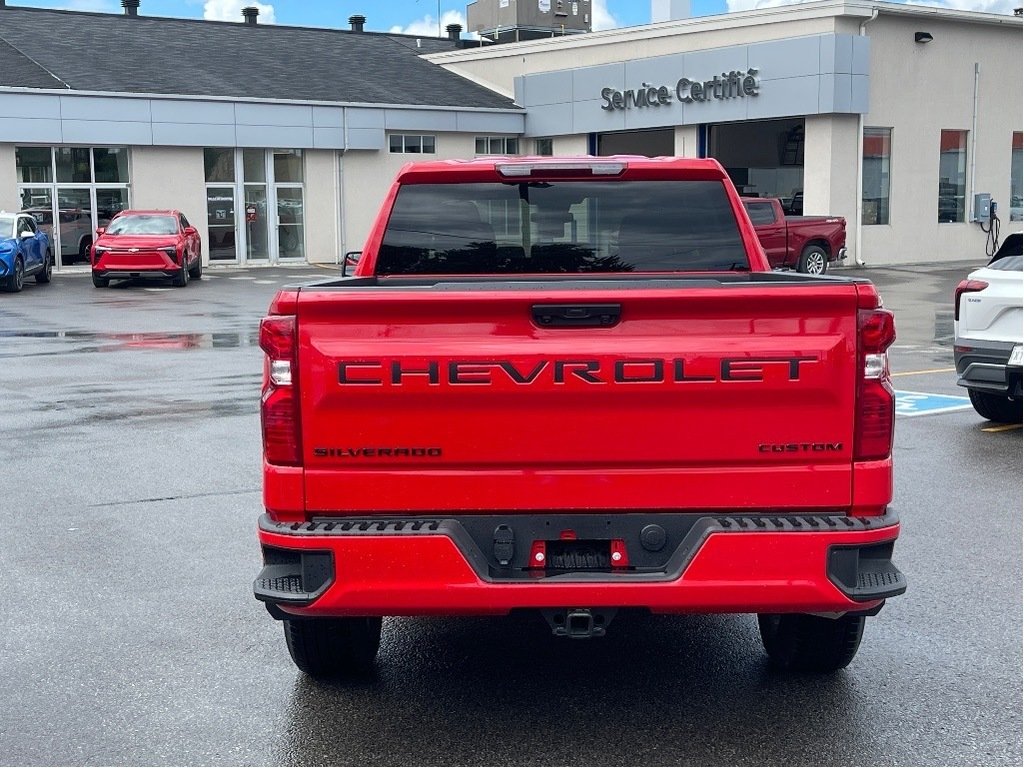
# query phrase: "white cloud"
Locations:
[[603, 19], [231, 10], [428, 26], [987, 6]]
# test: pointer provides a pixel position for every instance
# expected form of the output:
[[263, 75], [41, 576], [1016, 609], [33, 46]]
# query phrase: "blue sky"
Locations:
[[421, 16]]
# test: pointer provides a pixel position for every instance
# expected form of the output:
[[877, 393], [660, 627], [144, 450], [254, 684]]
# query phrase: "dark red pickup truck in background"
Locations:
[[575, 386], [804, 243]]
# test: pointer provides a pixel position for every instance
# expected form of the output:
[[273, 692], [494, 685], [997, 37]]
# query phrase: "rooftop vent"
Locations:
[[131, 7], [454, 30], [357, 22], [250, 13]]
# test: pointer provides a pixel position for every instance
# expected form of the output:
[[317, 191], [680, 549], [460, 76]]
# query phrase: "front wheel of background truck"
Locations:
[[334, 648], [803, 643]]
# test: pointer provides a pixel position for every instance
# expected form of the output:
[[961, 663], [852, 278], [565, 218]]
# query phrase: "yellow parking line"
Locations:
[[1003, 428], [919, 373]]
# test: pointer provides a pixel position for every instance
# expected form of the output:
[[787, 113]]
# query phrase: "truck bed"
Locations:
[[529, 394]]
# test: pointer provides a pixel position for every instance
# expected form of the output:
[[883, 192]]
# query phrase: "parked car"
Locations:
[[987, 322], [24, 251], [147, 244], [805, 243]]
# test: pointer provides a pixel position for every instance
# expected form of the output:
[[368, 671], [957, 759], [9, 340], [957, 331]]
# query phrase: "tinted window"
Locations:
[[561, 227], [26, 223], [760, 213], [143, 225]]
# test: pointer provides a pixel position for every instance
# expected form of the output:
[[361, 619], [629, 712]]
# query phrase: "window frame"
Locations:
[[884, 201], [504, 141], [421, 143], [960, 189]]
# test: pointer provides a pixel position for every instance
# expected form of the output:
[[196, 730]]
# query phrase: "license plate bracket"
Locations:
[[579, 555]]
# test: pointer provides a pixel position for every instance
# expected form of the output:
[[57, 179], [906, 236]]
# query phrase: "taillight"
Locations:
[[279, 405], [876, 402], [966, 286]]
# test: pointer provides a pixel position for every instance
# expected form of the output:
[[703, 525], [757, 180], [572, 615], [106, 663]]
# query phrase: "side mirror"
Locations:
[[191, 231], [100, 230], [350, 262], [27, 233]]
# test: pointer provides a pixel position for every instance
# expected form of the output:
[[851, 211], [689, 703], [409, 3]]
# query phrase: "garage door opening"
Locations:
[[656, 143], [763, 158]]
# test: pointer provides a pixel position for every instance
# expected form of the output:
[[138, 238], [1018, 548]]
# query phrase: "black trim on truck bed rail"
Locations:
[[575, 281], [659, 545]]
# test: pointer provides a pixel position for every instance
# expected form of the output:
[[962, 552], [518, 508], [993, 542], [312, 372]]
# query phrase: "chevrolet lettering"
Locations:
[[675, 370]]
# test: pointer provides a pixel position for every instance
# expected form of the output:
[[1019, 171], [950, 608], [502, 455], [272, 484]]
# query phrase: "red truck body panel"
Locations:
[[702, 389], [718, 403]]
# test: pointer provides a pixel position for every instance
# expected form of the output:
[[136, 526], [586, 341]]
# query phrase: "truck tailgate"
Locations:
[[687, 396]]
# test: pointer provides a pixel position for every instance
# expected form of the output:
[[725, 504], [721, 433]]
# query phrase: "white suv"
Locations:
[[988, 323]]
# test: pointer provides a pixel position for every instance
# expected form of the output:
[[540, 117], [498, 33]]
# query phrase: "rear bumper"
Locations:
[[982, 365], [435, 566]]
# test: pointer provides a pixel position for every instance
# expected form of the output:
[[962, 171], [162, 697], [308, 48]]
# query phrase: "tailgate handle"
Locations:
[[576, 315]]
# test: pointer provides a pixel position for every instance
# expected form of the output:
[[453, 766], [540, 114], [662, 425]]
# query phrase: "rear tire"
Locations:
[[47, 272], [100, 282], [333, 648], [83, 249], [994, 407], [799, 642], [16, 280], [813, 261]]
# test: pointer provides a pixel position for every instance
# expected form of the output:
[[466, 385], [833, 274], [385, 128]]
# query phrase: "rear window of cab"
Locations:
[[538, 227]]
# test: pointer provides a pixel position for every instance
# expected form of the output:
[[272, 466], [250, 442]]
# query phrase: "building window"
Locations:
[[71, 191], [952, 176], [110, 165], [411, 144], [544, 147], [219, 164], [34, 165], [1016, 163], [497, 145], [875, 195]]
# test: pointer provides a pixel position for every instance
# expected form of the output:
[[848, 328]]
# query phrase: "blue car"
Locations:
[[24, 251]]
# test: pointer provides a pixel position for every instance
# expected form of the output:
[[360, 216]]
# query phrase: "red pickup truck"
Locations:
[[804, 243], [574, 386]]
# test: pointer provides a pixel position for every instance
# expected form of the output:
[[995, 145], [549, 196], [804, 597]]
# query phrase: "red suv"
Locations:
[[147, 243]]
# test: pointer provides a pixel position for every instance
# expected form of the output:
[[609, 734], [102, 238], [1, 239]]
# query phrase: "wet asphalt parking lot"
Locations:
[[130, 487]]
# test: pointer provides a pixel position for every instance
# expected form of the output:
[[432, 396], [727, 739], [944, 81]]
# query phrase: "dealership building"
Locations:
[[278, 143]]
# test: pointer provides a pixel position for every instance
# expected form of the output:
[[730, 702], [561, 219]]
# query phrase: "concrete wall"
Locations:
[[9, 200], [367, 176], [920, 89], [322, 208], [830, 180], [171, 177]]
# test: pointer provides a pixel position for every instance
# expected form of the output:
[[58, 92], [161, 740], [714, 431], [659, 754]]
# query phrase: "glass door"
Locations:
[[74, 224], [257, 244], [291, 228], [39, 202], [220, 220]]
